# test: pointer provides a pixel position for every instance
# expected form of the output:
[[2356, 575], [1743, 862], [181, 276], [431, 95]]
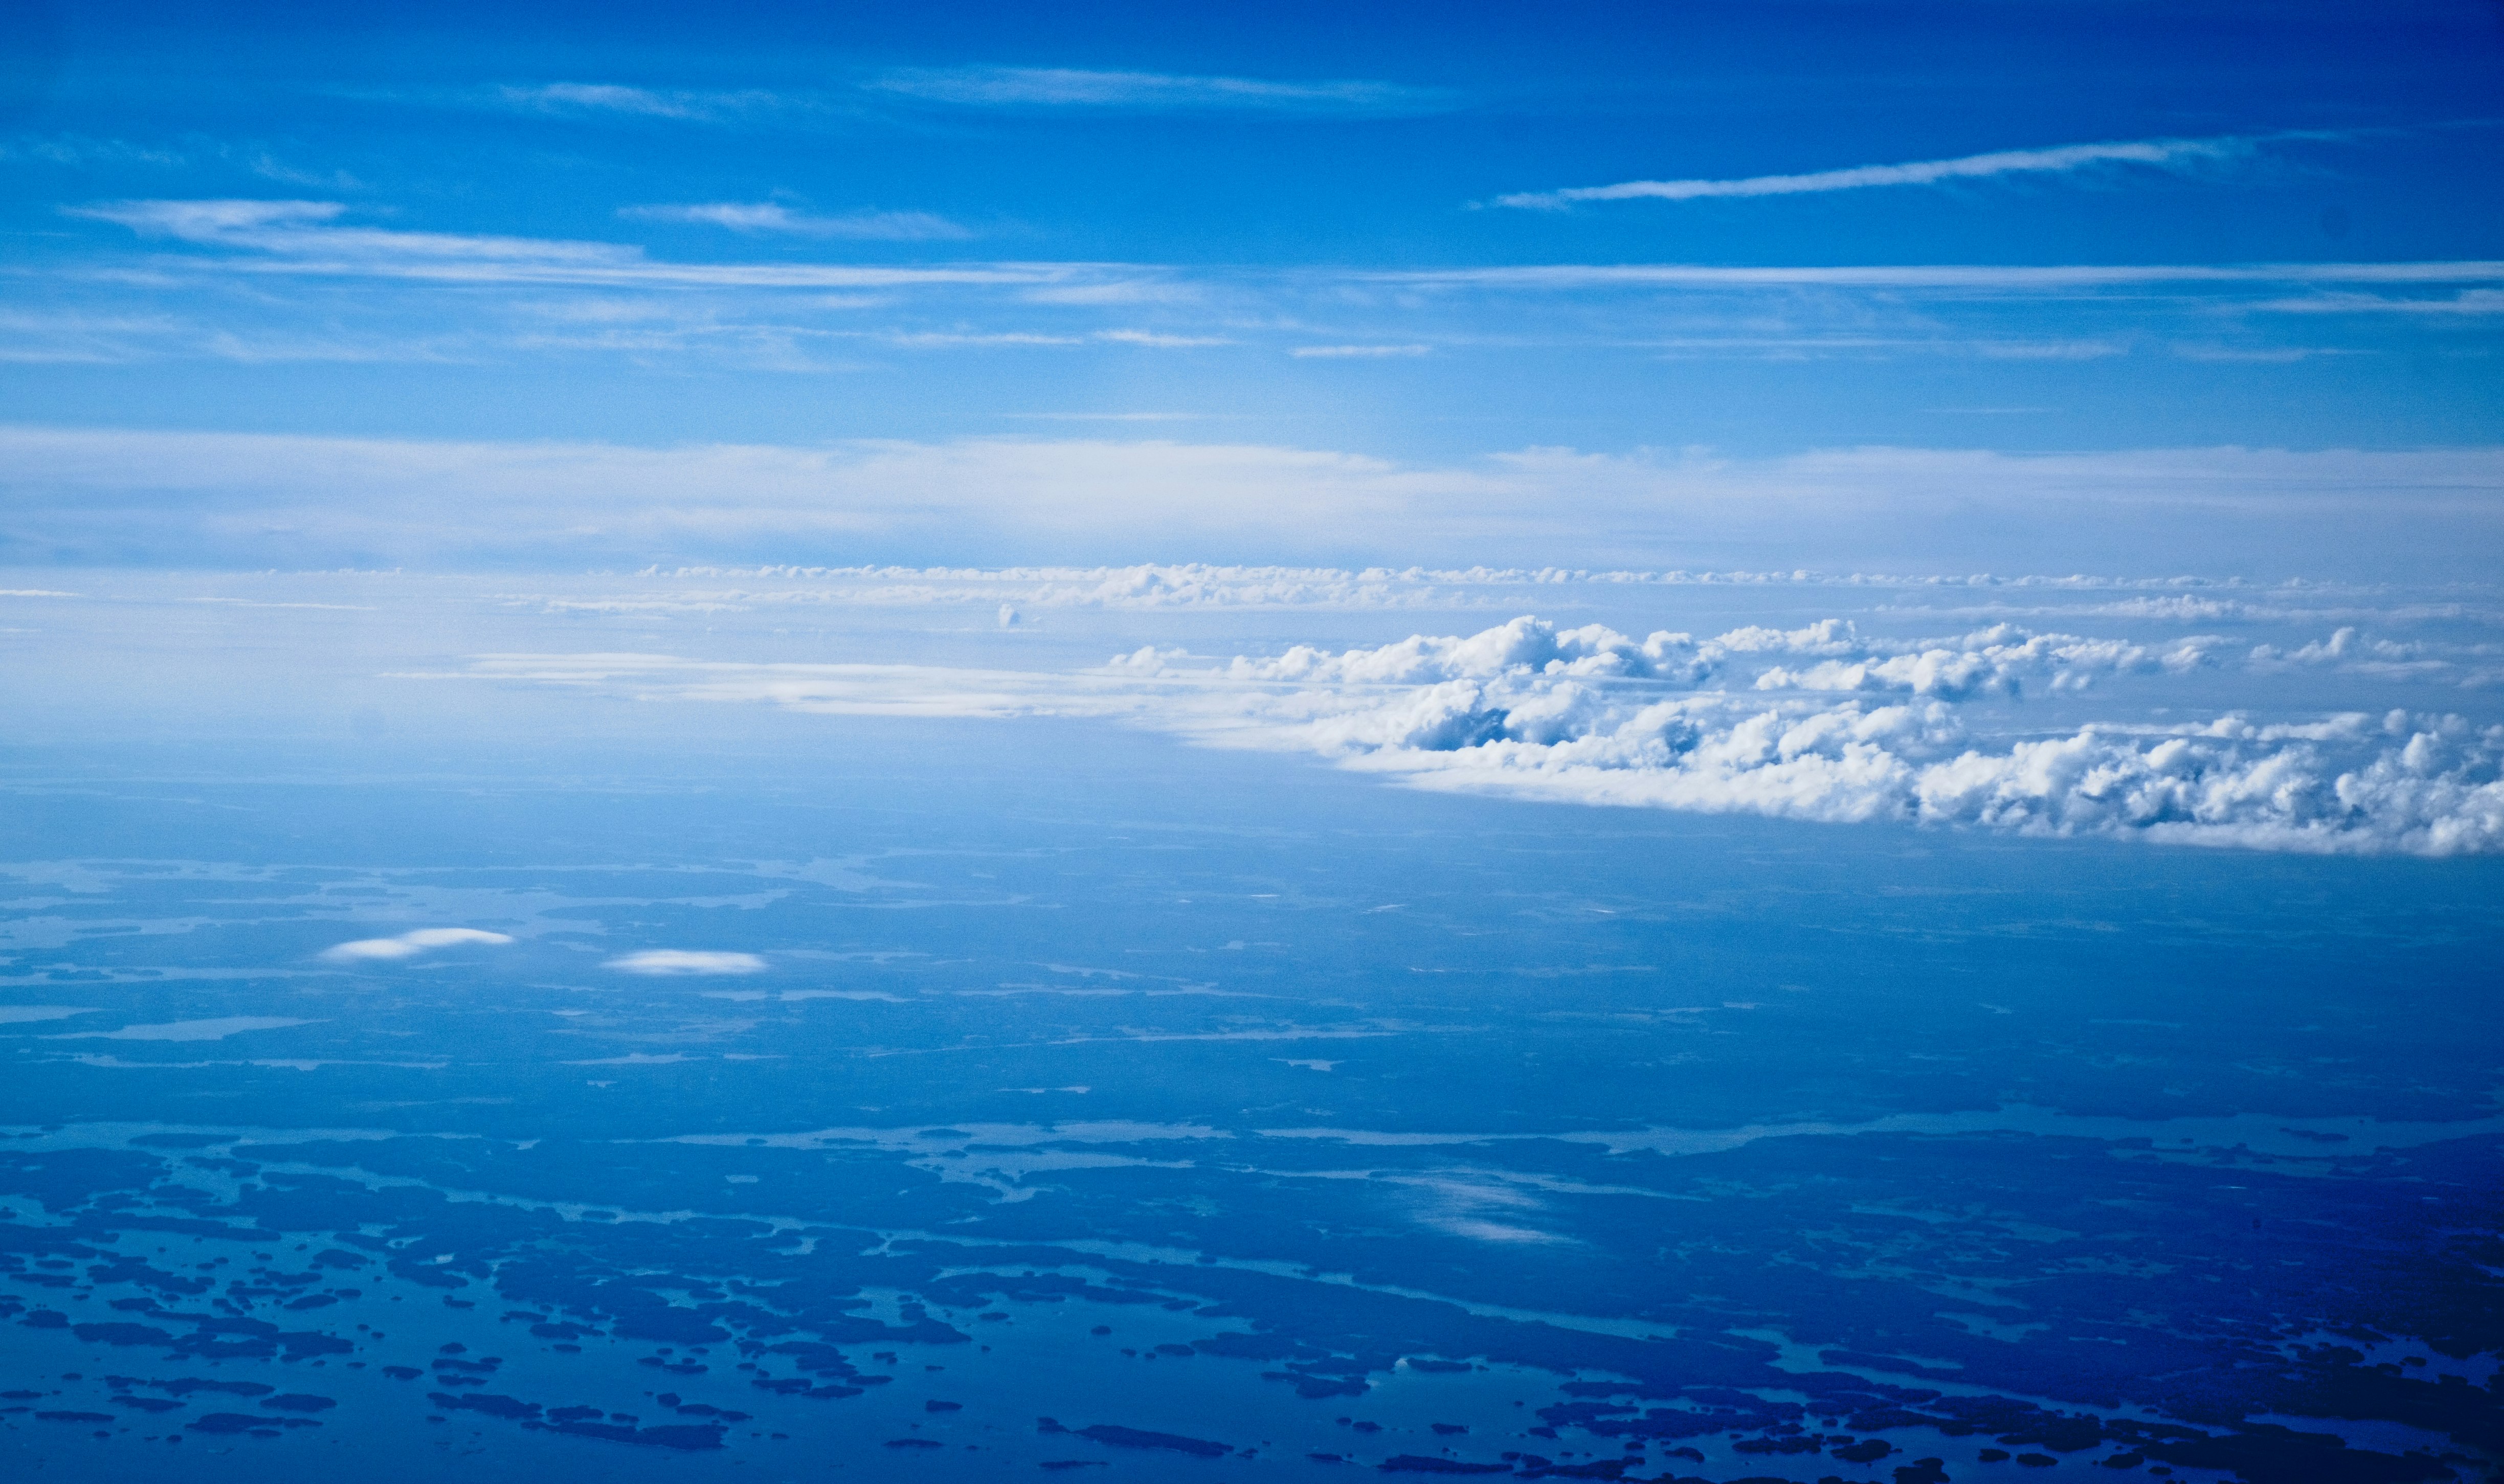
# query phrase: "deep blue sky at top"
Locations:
[[1250, 165]]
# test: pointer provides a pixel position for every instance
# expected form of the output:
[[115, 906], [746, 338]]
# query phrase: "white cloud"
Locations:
[[411, 945], [1728, 724], [1951, 277], [246, 501], [646, 102], [774, 217], [305, 237], [670, 962], [1158, 342], [1081, 88], [1529, 710], [1355, 352], [2161, 153], [2468, 302]]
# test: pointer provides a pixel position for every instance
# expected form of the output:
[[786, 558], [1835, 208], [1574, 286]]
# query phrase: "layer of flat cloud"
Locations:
[[669, 962], [411, 945], [2062, 159], [251, 500]]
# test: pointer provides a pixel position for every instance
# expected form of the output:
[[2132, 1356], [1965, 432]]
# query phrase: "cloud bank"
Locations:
[[1529, 710], [252, 500], [1819, 722]]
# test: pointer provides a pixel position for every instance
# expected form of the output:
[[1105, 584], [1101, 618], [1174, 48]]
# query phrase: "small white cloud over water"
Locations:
[[411, 945], [660, 962]]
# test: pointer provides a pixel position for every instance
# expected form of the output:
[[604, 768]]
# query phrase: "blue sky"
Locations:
[[1423, 235]]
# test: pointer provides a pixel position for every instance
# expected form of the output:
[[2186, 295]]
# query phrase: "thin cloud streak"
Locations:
[[774, 217], [300, 237], [1156, 92], [1942, 276], [686, 104], [2158, 153]]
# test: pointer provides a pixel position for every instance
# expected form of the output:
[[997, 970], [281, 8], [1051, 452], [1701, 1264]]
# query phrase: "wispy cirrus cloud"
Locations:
[[754, 216], [1567, 277], [2062, 159], [681, 103], [2468, 302], [1355, 352], [307, 237], [1153, 91]]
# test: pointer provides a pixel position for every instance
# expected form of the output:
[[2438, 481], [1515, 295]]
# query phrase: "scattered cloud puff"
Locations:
[[662, 962], [2162, 154], [411, 945], [774, 217]]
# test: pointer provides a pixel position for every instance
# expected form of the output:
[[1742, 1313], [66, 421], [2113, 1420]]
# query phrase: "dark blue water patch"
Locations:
[[246, 1422], [1119, 1437], [485, 1401]]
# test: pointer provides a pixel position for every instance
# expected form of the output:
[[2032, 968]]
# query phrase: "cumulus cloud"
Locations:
[[1579, 715], [410, 944], [667, 962], [1819, 722]]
